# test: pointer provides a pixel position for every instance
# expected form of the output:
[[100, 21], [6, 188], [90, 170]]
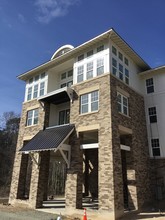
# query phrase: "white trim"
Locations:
[[125, 147], [89, 146]]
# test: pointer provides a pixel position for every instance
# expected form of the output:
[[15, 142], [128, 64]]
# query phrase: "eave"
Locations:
[[110, 34]]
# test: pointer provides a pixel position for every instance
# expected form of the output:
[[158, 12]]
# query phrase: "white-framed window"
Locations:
[[152, 114], [155, 146], [35, 87], [89, 70], [122, 104], [64, 116], [29, 93], [100, 66], [120, 71], [100, 48], [91, 64], [150, 85], [114, 50], [35, 91], [32, 117], [114, 66], [80, 73], [120, 65], [66, 79], [42, 88], [120, 56], [126, 76], [89, 102]]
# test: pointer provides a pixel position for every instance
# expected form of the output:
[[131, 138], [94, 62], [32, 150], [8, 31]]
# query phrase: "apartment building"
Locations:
[[93, 109]]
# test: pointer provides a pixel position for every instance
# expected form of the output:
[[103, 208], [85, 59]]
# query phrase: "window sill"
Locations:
[[124, 115], [29, 126], [87, 113]]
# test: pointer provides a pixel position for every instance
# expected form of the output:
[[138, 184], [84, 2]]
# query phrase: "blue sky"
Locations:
[[31, 31]]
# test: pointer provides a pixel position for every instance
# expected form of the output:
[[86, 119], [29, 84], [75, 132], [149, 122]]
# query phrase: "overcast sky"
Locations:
[[32, 30]]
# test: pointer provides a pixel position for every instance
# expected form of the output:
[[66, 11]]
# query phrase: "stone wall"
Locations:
[[138, 159], [25, 134], [102, 118]]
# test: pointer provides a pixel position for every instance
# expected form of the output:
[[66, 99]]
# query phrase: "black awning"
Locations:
[[58, 96], [48, 139]]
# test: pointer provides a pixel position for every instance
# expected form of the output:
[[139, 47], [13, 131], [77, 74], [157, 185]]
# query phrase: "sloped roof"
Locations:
[[110, 34], [48, 139]]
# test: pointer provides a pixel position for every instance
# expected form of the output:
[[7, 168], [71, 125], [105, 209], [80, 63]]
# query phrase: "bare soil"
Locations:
[[7, 212]]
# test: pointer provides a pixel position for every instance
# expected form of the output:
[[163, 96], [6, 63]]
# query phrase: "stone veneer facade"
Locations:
[[108, 122]]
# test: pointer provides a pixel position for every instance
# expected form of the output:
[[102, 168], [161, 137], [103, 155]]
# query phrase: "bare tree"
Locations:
[[9, 125]]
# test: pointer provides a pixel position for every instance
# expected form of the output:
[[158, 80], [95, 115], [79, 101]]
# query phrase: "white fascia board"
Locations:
[[125, 147], [89, 146]]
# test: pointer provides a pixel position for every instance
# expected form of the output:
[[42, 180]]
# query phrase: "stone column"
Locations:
[[73, 189], [39, 180]]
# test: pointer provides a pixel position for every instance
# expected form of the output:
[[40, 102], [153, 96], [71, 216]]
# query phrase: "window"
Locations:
[[35, 91], [152, 114], [100, 66], [81, 57], [155, 147], [64, 117], [89, 70], [42, 87], [80, 73], [70, 73], [120, 71], [89, 102], [63, 76], [89, 53], [150, 85], [42, 75], [126, 76], [114, 66], [35, 87], [36, 78], [32, 117], [100, 48], [126, 61], [122, 104], [29, 93], [120, 56], [114, 51]]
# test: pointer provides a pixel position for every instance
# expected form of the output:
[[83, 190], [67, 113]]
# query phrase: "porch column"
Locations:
[[39, 180], [73, 190]]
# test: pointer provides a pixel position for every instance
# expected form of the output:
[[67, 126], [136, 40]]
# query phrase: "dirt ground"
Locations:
[[7, 212]]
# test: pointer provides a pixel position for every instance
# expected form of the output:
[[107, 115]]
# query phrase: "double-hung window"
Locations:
[[100, 66], [150, 85], [29, 93], [80, 73], [89, 70], [35, 91], [155, 147], [89, 102], [152, 114], [32, 117], [122, 104], [42, 87]]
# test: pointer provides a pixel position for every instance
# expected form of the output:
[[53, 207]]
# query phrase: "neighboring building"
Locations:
[[90, 108]]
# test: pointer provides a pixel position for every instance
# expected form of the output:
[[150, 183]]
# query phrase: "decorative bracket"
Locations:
[[66, 147], [35, 158]]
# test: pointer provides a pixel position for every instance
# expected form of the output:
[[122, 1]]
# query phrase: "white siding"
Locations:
[[156, 99]]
